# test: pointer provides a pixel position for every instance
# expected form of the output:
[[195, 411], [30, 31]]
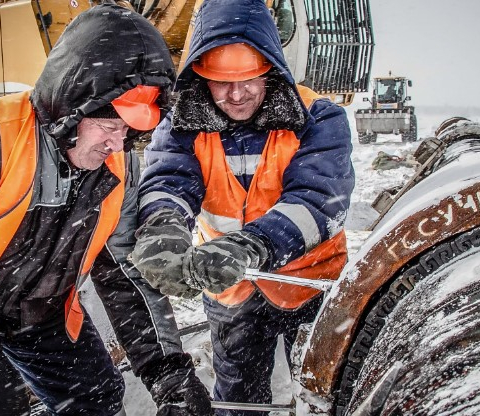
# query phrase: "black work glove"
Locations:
[[175, 388], [222, 262], [158, 254]]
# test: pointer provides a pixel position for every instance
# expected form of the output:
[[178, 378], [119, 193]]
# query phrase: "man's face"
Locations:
[[240, 99], [97, 139]]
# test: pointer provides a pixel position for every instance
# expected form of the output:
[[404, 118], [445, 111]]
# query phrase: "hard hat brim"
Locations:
[[138, 108], [231, 62], [141, 117], [230, 76]]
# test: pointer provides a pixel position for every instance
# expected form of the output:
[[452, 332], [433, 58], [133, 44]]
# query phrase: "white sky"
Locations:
[[432, 42]]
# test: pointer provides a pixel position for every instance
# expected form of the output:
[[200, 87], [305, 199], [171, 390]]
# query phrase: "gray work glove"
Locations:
[[175, 388], [158, 254], [222, 262]]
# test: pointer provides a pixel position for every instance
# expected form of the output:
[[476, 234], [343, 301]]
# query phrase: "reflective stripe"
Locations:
[[155, 196], [221, 223], [304, 220], [244, 164]]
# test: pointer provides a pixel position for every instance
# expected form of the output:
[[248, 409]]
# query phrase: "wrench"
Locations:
[[254, 406], [319, 284]]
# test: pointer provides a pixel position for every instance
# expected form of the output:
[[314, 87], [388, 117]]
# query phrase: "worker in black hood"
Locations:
[[101, 55], [68, 210]]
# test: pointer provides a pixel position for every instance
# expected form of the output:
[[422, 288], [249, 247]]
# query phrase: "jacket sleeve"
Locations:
[[317, 186], [173, 177], [142, 317]]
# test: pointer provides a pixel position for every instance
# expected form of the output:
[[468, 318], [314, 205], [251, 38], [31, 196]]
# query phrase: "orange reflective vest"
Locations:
[[226, 198], [20, 149]]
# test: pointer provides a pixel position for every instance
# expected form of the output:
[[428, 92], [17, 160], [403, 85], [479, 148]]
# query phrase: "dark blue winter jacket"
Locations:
[[319, 180]]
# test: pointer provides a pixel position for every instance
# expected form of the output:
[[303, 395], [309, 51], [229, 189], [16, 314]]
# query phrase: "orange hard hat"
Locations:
[[137, 107], [232, 62]]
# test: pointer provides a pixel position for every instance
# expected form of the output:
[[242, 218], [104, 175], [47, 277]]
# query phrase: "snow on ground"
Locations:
[[369, 183]]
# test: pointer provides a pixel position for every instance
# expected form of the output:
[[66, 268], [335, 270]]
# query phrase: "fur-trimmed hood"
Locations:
[[281, 109]]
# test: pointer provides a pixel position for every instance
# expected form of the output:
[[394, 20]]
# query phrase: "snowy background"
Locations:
[[433, 43]]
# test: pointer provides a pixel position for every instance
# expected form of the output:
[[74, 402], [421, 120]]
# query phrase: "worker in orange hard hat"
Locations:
[[68, 211], [262, 166], [234, 73]]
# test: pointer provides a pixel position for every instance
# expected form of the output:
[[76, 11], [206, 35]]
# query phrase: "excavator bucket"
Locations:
[[19, 32], [28, 31], [340, 47]]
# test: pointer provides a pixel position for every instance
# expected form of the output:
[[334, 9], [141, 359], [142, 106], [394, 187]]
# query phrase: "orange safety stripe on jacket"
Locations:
[[16, 177], [226, 197], [19, 163], [109, 216]]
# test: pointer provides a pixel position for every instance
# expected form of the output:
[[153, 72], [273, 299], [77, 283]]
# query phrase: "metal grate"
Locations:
[[341, 46]]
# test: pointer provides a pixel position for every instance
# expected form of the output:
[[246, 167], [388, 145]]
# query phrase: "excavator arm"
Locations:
[[328, 44]]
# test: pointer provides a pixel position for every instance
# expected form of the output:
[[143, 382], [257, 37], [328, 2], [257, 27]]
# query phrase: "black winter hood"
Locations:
[[102, 53]]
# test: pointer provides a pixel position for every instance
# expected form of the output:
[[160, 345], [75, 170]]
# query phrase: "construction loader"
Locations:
[[389, 112]]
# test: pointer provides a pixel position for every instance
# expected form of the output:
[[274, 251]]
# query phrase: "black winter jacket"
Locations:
[[42, 261]]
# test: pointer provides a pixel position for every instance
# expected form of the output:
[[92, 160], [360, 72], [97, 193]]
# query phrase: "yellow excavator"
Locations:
[[328, 43]]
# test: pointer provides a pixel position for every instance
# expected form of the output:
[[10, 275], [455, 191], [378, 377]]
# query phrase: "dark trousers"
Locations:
[[69, 378], [244, 339], [14, 398]]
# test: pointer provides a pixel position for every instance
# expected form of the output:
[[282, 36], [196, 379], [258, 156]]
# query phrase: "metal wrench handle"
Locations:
[[254, 406], [320, 284]]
